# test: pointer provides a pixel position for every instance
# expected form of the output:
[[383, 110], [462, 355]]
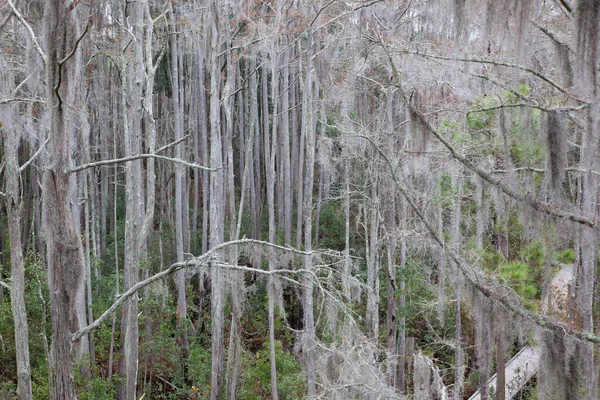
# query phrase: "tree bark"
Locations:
[[17, 274], [217, 206], [65, 253]]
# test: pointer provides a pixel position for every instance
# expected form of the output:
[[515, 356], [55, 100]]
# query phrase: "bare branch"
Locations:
[[503, 64], [32, 36], [543, 170], [33, 157], [138, 157], [471, 276], [175, 143], [75, 46], [208, 259], [20, 99], [20, 85], [4, 284], [551, 35]]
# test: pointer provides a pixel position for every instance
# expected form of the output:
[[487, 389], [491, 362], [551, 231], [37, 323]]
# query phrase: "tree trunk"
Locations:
[[217, 206], [17, 275], [270, 159], [308, 137], [180, 185], [65, 253]]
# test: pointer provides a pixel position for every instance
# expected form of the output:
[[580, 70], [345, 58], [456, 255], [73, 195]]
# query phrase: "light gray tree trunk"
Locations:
[[588, 243], [17, 274], [180, 185], [308, 137], [217, 206], [372, 311], [285, 133], [455, 236], [270, 159]]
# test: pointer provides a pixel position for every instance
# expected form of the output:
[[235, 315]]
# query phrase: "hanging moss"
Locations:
[[588, 12]]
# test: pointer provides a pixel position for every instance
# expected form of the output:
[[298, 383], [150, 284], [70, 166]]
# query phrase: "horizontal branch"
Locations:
[[543, 170], [20, 100], [138, 157], [206, 260]]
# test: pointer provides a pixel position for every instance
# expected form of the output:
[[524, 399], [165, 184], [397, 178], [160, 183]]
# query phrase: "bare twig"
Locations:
[[6, 285], [172, 144]]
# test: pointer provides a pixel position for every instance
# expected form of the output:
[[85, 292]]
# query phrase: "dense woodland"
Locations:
[[246, 199]]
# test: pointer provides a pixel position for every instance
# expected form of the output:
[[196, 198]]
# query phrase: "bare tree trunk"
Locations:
[[308, 137], [270, 159], [456, 240], [347, 259], [17, 275], [217, 207], [180, 185], [287, 173], [65, 253], [372, 311], [501, 366], [588, 243]]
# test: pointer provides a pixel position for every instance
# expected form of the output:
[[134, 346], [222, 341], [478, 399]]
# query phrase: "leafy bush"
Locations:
[[257, 375]]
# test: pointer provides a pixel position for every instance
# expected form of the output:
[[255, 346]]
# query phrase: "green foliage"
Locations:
[[567, 256], [199, 365], [257, 375], [332, 225], [8, 390], [98, 389], [518, 276]]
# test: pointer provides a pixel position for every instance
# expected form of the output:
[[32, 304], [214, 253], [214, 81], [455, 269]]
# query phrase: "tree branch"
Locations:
[[20, 99], [75, 46], [32, 36], [4, 284], [210, 258], [503, 64], [471, 276], [138, 157], [467, 272], [33, 157]]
